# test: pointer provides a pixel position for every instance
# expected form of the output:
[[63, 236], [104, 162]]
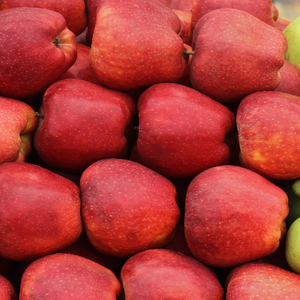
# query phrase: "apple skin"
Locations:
[[18, 122], [292, 34], [282, 23], [73, 11], [185, 18], [260, 280], [227, 216], [82, 123], [136, 43], [181, 131], [292, 246], [91, 7], [51, 222], [81, 68], [68, 276], [268, 133], [83, 247], [236, 54], [264, 10], [126, 207], [48, 50], [290, 79], [184, 5], [7, 291], [165, 274]]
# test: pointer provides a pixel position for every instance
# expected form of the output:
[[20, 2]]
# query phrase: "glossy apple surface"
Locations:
[[227, 220]]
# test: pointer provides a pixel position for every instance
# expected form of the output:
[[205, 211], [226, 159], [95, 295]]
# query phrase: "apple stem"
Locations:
[[189, 52], [38, 115]]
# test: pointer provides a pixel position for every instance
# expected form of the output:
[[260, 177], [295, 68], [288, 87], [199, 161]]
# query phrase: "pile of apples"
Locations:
[[150, 149]]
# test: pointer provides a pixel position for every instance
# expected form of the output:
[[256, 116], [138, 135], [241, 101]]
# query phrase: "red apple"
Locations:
[[185, 18], [84, 248], [233, 215], [290, 79], [33, 53], [136, 43], [236, 54], [185, 5], [268, 132], [40, 211], [7, 291], [165, 274], [91, 7], [18, 122], [73, 11], [68, 276], [282, 23], [264, 10], [80, 123], [181, 131], [262, 281], [81, 68], [126, 207]]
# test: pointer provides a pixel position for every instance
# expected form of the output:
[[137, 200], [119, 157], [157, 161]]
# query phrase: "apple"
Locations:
[[83, 247], [235, 54], [80, 123], [68, 276], [282, 23], [165, 274], [40, 211], [136, 43], [292, 34], [185, 18], [182, 132], [256, 280], [184, 5], [292, 250], [18, 122], [91, 7], [290, 79], [81, 68], [264, 10], [127, 207], [7, 291], [73, 11], [233, 215], [268, 133], [33, 53]]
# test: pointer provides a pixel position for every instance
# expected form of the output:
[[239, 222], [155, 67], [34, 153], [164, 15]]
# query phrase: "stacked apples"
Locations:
[[147, 147]]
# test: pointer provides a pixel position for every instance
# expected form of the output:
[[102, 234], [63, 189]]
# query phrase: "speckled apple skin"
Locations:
[[164, 274], [136, 43], [126, 207], [81, 68], [268, 132], [290, 79], [73, 11], [181, 131], [39, 211], [7, 291], [262, 281], [83, 122], [68, 277], [233, 215], [236, 54], [264, 10], [30, 61], [17, 124]]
